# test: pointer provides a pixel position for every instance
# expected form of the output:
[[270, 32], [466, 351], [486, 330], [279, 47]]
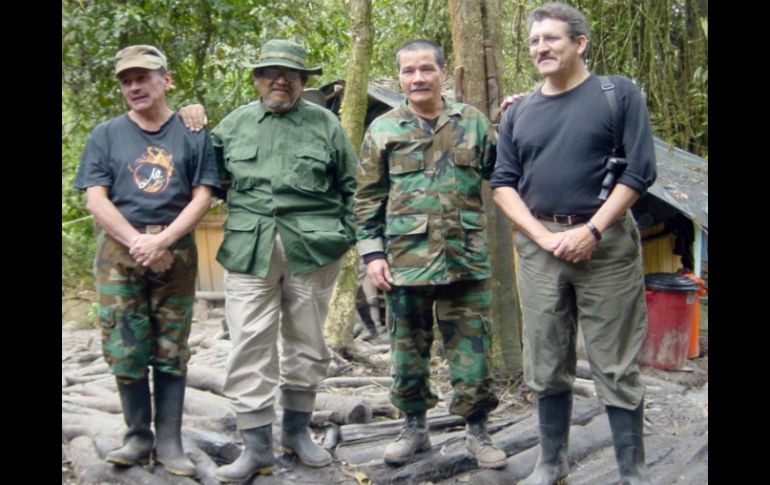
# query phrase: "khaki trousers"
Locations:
[[605, 296], [257, 310]]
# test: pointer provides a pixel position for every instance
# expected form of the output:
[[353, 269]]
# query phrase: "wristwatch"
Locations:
[[594, 230]]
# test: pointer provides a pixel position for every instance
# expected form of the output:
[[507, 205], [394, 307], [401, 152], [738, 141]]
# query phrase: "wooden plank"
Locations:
[[209, 234]]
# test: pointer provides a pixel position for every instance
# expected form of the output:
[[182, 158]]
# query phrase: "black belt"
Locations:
[[150, 229], [565, 219]]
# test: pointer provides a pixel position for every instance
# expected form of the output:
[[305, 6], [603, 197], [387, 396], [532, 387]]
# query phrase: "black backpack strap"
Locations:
[[609, 91]]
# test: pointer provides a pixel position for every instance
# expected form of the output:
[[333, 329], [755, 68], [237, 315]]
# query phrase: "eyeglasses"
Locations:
[[273, 73], [548, 40]]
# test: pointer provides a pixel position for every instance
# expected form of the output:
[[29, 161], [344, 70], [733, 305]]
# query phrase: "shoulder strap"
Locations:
[[609, 91]]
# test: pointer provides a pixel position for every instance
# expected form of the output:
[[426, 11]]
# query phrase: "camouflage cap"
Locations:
[[145, 56], [279, 52]]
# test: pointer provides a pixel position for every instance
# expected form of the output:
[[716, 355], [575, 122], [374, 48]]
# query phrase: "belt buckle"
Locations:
[[153, 229], [562, 219]]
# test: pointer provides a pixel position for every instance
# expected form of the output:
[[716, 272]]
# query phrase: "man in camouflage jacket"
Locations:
[[422, 235]]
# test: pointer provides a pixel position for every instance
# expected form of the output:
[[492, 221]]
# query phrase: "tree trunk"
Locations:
[[472, 23], [339, 322]]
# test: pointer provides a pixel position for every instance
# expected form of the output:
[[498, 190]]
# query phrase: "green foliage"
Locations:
[[661, 44], [77, 227], [397, 22], [651, 41]]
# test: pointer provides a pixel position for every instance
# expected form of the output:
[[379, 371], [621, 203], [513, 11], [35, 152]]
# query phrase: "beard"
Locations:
[[276, 105]]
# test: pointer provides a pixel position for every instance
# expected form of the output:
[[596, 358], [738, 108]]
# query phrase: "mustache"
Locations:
[[544, 57]]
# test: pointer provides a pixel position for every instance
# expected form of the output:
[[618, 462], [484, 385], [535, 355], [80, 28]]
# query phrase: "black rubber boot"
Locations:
[[413, 438], [628, 436], [554, 414], [169, 401], [296, 440], [137, 411], [256, 457]]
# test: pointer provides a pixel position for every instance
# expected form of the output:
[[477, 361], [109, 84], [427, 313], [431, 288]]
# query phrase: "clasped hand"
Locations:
[[148, 250], [573, 246]]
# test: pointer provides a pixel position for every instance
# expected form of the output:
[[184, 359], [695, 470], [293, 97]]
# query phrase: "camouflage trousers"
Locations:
[[145, 316], [462, 313]]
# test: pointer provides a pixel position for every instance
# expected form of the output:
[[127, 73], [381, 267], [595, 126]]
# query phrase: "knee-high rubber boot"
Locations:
[[296, 440], [169, 401], [554, 414], [628, 436], [256, 457], [137, 411]]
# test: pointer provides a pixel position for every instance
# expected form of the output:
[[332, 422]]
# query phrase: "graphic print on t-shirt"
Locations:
[[152, 171]]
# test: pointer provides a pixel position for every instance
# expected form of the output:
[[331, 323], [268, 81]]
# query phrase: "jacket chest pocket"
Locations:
[[241, 162], [407, 181], [466, 158], [407, 162], [310, 171]]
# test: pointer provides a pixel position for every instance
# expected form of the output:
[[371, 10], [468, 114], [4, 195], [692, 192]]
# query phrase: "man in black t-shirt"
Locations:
[[580, 256], [148, 182]]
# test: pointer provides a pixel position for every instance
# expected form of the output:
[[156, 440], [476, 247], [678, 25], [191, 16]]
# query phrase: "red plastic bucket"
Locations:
[[671, 300]]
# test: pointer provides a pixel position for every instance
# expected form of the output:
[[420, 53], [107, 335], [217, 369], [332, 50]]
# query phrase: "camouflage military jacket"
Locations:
[[418, 195], [291, 172]]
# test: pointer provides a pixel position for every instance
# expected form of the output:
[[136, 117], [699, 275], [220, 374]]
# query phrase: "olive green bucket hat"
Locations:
[[278, 52]]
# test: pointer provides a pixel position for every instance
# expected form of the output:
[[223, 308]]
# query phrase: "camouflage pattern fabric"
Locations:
[[462, 315], [418, 197], [145, 316]]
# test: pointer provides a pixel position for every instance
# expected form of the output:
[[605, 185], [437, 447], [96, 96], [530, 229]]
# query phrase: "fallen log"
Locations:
[[82, 357], [384, 382], [91, 425], [195, 340], [321, 418], [203, 403], [221, 448], [100, 403], [377, 431], [381, 406], [90, 469], [584, 387], [99, 367], [77, 379], [89, 389], [222, 346], [206, 379], [345, 409]]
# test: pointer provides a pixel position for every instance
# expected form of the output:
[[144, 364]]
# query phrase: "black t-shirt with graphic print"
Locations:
[[150, 173]]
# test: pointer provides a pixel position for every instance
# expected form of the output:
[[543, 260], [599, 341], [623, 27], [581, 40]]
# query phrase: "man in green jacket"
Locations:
[[422, 235], [291, 175]]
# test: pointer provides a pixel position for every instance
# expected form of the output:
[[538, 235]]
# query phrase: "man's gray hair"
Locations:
[[577, 24], [418, 45]]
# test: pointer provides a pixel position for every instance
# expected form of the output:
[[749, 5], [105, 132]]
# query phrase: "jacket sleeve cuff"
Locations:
[[367, 246], [368, 258]]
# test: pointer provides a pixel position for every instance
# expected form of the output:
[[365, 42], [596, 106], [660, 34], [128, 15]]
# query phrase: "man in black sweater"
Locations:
[[580, 256]]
